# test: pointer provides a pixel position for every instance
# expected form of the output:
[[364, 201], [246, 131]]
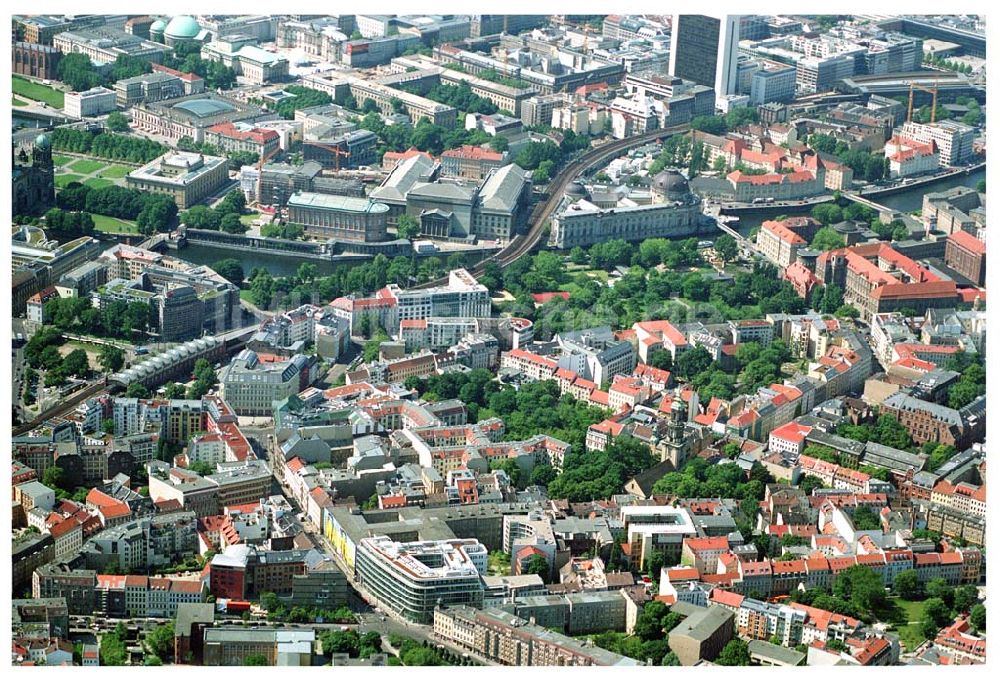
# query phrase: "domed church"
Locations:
[[180, 29], [669, 186], [34, 186]]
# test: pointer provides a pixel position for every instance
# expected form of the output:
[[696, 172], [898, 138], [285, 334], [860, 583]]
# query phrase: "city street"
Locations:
[[374, 619], [17, 381]]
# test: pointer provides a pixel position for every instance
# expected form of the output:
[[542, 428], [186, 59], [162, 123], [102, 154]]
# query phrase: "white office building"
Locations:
[[462, 297], [595, 354], [93, 102], [953, 139], [411, 579], [772, 85]]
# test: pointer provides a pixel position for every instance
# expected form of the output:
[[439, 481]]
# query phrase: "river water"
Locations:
[[278, 266], [908, 201], [25, 122], [913, 199]]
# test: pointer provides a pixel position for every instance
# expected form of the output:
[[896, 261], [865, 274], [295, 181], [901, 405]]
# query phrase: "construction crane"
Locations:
[[336, 151], [934, 93]]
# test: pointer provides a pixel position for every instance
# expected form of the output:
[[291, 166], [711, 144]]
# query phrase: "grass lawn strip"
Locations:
[[115, 171], [87, 166], [38, 92], [910, 631], [114, 225], [65, 179]]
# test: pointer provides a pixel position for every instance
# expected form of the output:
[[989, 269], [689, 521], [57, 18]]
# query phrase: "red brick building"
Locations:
[[37, 61], [966, 255]]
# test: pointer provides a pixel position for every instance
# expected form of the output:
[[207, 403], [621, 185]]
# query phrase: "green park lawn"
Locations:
[[115, 171], [64, 179], [98, 183], [60, 160], [911, 609], [37, 91], [908, 624], [19, 103], [114, 225], [86, 166], [249, 218]]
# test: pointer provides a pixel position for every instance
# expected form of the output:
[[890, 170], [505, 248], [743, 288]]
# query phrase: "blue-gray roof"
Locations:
[[205, 107]]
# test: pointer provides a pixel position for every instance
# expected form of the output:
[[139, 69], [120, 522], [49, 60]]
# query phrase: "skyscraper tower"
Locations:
[[705, 50]]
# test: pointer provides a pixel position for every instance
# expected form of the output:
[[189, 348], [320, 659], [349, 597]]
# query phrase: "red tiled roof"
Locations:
[[545, 297], [599, 397], [951, 558], [682, 574], [737, 177], [64, 527], [840, 563], [533, 358], [789, 567], [727, 598], [109, 507], [967, 242], [651, 373], [817, 564], [473, 152], [528, 551], [401, 156], [872, 648], [911, 290], [110, 581], [228, 129], [969, 295], [782, 232], [608, 427], [707, 543], [791, 431], [173, 72], [566, 374]]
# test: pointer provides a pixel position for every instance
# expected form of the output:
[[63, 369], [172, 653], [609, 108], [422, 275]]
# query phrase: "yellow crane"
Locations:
[[934, 93]]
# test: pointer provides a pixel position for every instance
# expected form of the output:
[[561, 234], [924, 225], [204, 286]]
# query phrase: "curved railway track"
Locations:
[[60, 409], [524, 243]]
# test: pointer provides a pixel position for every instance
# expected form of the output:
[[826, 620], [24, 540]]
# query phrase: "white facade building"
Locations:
[[953, 139], [93, 102]]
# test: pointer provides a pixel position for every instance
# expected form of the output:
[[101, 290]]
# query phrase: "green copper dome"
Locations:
[[182, 27], [42, 141], [157, 26]]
